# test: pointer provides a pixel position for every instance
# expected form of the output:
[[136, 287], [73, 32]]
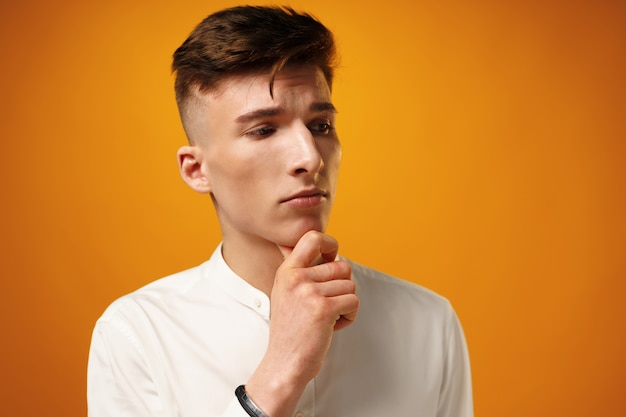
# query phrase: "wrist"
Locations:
[[247, 404], [272, 395]]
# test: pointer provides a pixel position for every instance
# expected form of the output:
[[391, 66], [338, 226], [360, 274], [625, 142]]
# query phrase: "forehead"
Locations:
[[290, 86], [296, 90]]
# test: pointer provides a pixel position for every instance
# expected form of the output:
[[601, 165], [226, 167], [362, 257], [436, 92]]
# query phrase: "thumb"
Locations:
[[284, 250], [313, 248]]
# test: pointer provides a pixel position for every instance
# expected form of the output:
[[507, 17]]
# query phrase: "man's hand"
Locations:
[[312, 297]]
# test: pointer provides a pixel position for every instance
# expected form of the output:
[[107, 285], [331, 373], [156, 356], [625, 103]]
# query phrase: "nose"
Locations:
[[305, 156]]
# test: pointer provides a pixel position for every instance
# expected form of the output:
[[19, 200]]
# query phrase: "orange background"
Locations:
[[484, 147]]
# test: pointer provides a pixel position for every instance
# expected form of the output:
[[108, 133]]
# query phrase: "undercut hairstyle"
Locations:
[[250, 39]]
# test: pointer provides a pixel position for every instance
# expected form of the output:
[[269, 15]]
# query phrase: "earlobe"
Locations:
[[192, 169]]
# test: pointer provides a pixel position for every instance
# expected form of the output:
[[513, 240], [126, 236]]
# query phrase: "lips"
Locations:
[[306, 198]]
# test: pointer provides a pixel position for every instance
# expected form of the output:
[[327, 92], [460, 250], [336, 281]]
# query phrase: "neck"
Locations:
[[256, 261]]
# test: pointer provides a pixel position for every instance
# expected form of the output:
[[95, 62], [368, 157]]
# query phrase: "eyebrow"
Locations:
[[275, 111], [323, 106]]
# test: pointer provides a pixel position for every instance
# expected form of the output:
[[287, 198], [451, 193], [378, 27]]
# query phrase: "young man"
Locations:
[[268, 325]]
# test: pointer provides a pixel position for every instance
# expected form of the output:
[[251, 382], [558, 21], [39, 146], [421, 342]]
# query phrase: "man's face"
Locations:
[[271, 164]]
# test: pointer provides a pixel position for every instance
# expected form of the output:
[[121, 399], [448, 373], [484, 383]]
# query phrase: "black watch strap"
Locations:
[[247, 403]]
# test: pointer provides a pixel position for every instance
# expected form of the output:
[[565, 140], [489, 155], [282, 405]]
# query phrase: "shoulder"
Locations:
[[159, 291], [393, 293]]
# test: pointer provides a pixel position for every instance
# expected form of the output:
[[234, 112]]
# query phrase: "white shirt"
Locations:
[[179, 347]]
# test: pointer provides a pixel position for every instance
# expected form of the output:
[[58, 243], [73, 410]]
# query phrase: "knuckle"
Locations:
[[350, 287], [319, 308], [356, 302], [309, 292], [344, 267]]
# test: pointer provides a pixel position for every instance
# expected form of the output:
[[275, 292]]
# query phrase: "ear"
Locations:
[[193, 169]]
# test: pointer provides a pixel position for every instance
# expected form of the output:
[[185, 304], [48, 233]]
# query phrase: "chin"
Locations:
[[293, 237]]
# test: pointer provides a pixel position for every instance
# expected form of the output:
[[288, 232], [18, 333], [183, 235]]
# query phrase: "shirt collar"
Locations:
[[235, 286]]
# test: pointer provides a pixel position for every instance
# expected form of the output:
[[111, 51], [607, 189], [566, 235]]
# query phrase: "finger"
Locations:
[[336, 287], [342, 322], [284, 250], [348, 309], [310, 246], [335, 270]]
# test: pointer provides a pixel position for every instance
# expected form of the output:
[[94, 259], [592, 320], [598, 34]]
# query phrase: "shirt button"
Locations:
[[258, 303]]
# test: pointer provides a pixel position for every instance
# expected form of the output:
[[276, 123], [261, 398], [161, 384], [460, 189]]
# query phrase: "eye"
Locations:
[[260, 132], [321, 127]]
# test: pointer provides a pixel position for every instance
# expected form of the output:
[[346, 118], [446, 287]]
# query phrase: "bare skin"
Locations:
[[309, 302], [270, 164]]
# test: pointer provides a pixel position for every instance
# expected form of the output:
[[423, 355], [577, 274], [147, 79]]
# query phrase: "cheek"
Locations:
[[239, 175], [332, 155]]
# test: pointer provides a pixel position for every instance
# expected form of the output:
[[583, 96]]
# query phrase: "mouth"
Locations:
[[306, 198]]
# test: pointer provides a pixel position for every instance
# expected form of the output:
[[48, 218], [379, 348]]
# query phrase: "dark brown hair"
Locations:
[[250, 39]]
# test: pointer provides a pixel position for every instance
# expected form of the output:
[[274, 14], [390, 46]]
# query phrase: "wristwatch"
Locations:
[[247, 404]]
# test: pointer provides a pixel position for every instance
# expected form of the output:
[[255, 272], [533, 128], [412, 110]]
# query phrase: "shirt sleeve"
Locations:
[[456, 390], [121, 382]]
